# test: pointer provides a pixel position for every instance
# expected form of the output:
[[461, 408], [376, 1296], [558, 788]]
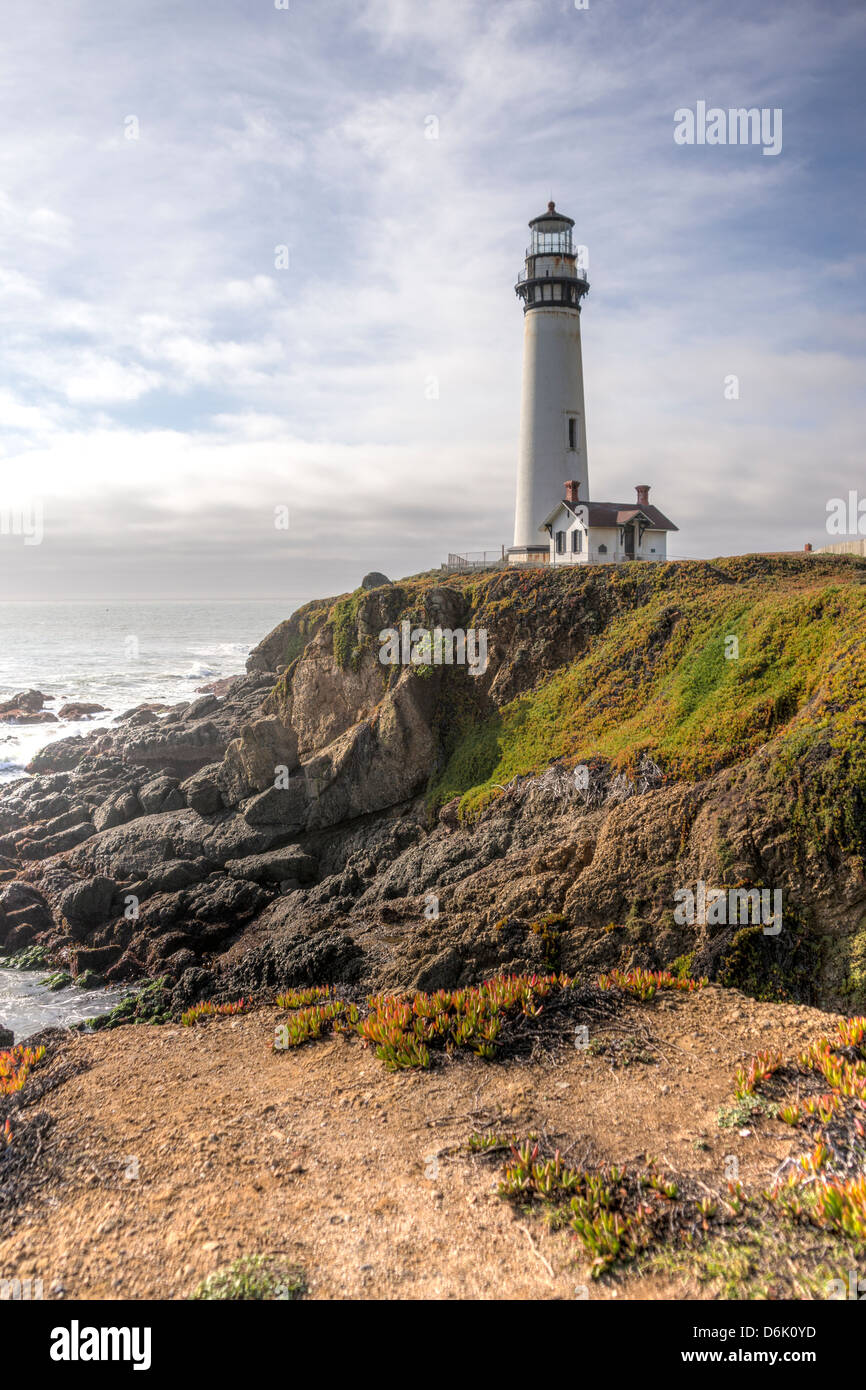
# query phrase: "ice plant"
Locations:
[[208, 1009], [15, 1066], [644, 984]]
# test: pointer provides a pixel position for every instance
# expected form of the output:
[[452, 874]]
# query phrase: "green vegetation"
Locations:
[[29, 958], [253, 1278], [614, 1213], [207, 1009], [150, 1004], [661, 678]]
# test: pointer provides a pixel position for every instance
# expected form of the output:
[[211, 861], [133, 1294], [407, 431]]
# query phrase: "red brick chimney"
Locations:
[[571, 490], [642, 491]]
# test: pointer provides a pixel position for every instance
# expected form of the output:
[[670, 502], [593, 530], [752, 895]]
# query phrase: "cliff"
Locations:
[[334, 819]]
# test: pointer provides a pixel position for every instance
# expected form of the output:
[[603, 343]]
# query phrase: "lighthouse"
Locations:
[[553, 422]]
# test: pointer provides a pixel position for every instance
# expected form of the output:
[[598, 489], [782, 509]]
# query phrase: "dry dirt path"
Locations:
[[361, 1177]]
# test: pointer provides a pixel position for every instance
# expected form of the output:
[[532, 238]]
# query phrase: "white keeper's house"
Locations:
[[555, 520]]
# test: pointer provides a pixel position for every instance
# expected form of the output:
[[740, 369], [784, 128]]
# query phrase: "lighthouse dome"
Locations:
[[552, 221]]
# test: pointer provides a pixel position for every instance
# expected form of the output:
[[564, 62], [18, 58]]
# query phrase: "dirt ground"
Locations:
[[175, 1151]]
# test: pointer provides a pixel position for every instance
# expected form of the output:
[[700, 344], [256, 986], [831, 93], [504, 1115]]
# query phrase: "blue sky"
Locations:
[[164, 386]]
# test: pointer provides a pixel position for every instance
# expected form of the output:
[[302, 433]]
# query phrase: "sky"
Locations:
[[258, 329]]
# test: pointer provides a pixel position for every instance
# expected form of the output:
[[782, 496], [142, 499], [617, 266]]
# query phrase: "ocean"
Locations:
[[118, 655]]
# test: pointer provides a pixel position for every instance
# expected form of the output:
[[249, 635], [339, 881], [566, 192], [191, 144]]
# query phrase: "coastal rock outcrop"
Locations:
[[331, 818]]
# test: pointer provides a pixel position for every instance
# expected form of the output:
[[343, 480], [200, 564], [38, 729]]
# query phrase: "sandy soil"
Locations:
[[176, 1150]]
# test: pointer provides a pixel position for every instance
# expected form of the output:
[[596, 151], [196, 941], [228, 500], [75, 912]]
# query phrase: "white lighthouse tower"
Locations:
[[553, 423]]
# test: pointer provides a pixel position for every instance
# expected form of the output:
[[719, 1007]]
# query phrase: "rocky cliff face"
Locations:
[[331, 818]]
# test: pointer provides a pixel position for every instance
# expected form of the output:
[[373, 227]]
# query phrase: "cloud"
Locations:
[[168, 379]]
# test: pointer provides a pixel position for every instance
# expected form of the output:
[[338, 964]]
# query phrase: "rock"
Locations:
[[374, 580], [253, 761], [57, 844], [7, 1037], [88, 903], [203, 792], [176, 874], [17, 716], [60, 756], [80, 709], [285, 807], [442, 972], [92, 962], [218, 687], [198, 708], [123, 806], [161, 793], [25, 702], [274, 866]]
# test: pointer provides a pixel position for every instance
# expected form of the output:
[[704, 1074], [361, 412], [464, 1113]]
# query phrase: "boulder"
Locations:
[[17, 716], [25, 702], [80, 709], [253, 762], [286, 807], [161, 793], [88, 903], [275, 866], [123, 806], [203, 791], [60, 756], [7, 1037], [374, 580]]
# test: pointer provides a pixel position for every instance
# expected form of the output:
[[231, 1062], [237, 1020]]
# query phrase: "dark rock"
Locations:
[[23, 717], [7, 1037], [123, 806], [60, 756], [80, 709], [274, 866], [57, 844], [88, 903], [218, 687], [161, 793], [374, 580], [285, 807], [25, 702], [93, 960], [202, 790]]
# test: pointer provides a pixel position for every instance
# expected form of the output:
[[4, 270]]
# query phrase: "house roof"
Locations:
[[617, 514]]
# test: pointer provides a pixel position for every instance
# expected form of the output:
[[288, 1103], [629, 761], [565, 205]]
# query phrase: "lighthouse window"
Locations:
[[572, 432]]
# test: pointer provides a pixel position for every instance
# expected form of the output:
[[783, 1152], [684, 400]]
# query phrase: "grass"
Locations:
[[253, 1278], [656, 680]]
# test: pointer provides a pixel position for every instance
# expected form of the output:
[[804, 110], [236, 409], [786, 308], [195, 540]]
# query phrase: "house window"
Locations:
[[573, 435], [576, 541], [560, 542], [602, 550]]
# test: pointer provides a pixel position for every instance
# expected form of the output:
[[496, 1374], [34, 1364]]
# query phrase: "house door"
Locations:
[[629, 542]]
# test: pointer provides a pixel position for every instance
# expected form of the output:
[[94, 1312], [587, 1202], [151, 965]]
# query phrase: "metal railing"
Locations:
[[475, 559], [576, 272]]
